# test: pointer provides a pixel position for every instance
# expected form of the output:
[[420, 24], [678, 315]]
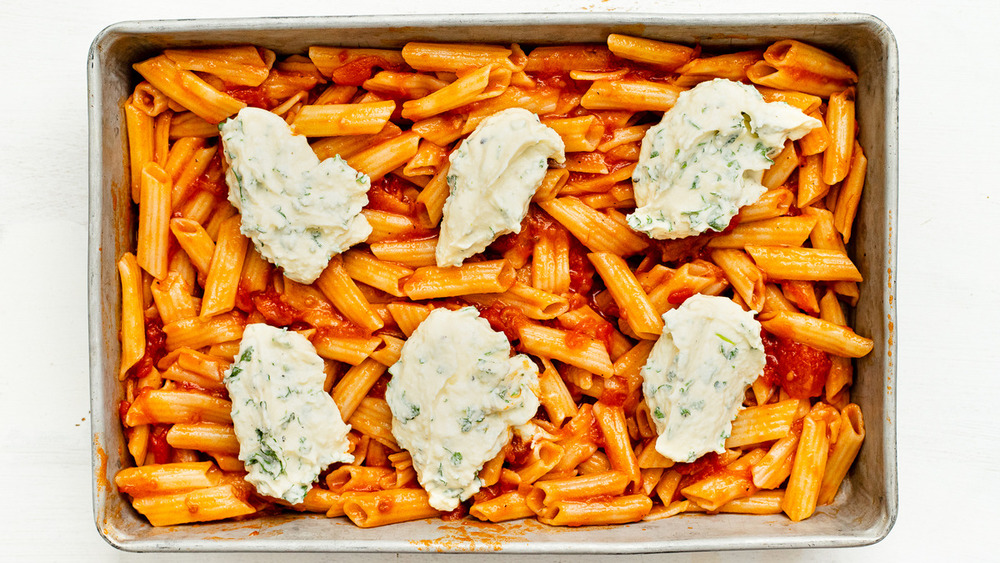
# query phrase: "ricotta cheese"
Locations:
[[297, 210], [697, 373], [493, 175], [455, 393], [289, 429], [705, 159]]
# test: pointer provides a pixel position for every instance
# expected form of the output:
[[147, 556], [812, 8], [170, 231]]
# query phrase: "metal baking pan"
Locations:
[[865, 508]]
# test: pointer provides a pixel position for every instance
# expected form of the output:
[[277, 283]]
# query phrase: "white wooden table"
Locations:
[[948, 301]]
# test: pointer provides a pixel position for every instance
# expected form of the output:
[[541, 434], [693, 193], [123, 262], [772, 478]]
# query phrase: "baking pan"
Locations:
[[865, 508]]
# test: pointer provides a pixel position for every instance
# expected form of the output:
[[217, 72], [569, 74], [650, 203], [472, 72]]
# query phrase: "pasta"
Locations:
[[576, 288]]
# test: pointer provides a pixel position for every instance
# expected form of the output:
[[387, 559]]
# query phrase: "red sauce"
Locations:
[[346, 330], [221, 392], [495, 490], [682, 250], [378, 389], [599, 329], [277, 311], [357, 71], [519, 451], [456, 514], [615, 391], [505, 319], [581, 271], [636, 73], [273, 308], [799, 369], [212, 179], [253, 96], [680, 296], [158, 445], [244, 299], [705, 466], [123, 407], [519, 244], [553, 80], [156, 342], [489, 493], [708, 465], [389, 194]]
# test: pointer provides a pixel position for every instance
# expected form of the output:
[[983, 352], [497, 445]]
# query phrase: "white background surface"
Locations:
[[948, 434]]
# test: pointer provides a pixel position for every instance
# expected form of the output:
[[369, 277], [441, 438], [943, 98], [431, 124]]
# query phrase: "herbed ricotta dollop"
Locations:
[[697, 373], [493, 175], [705, 159], [455, 393], [289, 429], [297, 210]]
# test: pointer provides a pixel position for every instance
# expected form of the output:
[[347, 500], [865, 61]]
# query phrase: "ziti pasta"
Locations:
[[588, 284]]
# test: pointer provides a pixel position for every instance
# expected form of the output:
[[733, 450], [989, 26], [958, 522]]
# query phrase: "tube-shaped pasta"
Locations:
[[849, 440], [329, 120], [824, 335], [432, 282], [224, 274], [154, 220], [795, 54], [379, 508], [840, 122], [633, 95], [628, 294], [665, 56]]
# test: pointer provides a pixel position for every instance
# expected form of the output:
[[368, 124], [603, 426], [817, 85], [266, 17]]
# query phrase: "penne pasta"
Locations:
[[575, 288]]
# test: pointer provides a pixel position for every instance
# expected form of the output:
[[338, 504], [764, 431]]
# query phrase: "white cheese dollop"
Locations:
[[297, 210], [455, 393], [705, 159], [289, 429], [697, 373], [493, 175]]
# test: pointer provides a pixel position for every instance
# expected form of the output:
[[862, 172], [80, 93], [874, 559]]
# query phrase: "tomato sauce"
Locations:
[[680, 296], [581, 271], [676, 252], [357, 71], [615, 391], [389, 194], [799, 369], [123, 407], [708, 465], [212, 180], [378, 389], [244, 299], [494, 490], [456, 514], [253, 96], [156, 343], [270, 304], [158, 445], [519, 451], [598, 329], [505, 319]]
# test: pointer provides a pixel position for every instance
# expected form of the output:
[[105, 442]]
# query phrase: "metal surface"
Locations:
[[865, 508]]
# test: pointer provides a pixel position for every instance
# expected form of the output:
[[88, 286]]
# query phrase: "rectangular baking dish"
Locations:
[[866, 506]]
